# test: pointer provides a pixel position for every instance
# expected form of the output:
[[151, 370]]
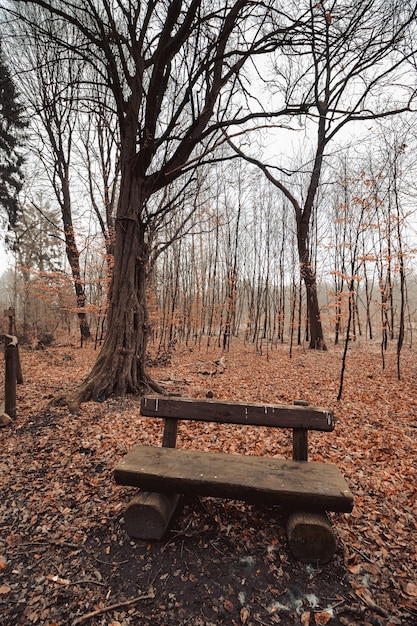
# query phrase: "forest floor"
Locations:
[[65, 557]]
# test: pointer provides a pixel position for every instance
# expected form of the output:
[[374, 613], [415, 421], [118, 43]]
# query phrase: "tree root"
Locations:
[[94, 389], [153, 385], [318, 345]]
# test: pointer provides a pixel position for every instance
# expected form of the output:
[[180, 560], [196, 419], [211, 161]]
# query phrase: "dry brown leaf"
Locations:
[[244, 615], [305, 618], [13, 540], [411, 589], [322, 618], [371, 568], [228, 605]]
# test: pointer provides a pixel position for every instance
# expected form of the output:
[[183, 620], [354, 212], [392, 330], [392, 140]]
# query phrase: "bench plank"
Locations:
[[275, 415], [295, 484]]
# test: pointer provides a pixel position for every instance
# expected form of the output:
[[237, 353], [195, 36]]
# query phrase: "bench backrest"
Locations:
[[300, 417]]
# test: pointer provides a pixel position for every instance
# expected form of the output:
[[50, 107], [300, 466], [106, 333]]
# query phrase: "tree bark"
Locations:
[[316, 330], [309, 277], [73, 257], [120, 366]]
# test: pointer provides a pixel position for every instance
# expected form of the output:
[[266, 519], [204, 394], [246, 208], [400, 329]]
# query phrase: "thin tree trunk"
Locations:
[[300, 312], [346, 344], [74, 261]]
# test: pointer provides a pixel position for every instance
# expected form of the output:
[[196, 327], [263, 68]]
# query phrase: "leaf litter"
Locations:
[[64, 555]]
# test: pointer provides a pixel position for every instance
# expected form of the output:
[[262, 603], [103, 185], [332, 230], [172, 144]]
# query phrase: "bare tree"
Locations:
[[358, 211], [172, 68], [100, 141], [345, 65], [50, 82], [37, 247]]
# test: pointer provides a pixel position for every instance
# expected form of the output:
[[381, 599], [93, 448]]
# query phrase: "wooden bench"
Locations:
[[304, 490]]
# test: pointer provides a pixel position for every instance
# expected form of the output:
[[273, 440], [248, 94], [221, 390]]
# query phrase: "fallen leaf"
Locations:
[[411, 589], [244, 615], [372, 569], [305, 618], [58, 579], [4, 589], [13, 540], [322, 618]]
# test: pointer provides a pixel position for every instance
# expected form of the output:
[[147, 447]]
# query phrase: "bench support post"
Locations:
[[148, 514], [169, 439], [310, 537], [300, 444]]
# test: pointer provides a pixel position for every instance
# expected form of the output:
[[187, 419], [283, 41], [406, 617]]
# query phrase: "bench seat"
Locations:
[[264, 480]]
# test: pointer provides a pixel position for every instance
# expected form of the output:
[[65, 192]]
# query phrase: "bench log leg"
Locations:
[[148, 514], [310, 536]]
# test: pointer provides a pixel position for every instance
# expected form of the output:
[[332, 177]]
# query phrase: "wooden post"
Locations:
[[148, 513], [10, 377], [310, 537], [300, 438], [169, 439], [19, 375], [10, 313], [300, 444]]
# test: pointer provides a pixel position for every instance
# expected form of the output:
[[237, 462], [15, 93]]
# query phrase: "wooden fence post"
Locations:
[[10, 313], [10, 376]]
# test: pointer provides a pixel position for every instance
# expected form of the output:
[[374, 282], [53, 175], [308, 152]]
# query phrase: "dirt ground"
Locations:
[[65, 557]]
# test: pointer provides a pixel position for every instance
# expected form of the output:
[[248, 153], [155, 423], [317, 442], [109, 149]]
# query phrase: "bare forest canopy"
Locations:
[[197, 171], [235, 274]]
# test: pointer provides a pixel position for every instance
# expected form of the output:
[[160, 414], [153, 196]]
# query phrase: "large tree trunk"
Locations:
[[120, 366]]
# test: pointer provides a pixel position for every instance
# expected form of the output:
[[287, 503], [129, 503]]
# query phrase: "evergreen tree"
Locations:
[[12, 125]]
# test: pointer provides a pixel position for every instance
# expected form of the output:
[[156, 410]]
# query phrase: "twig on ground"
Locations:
[[368, 601], [112, 607], [88, 581], [361, 554]]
